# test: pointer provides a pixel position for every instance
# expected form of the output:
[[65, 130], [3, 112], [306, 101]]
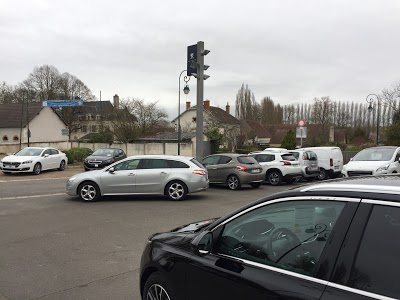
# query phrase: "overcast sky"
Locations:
[[289, 50]]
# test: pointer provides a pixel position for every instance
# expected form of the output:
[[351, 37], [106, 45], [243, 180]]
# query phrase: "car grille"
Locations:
[[358, 173], [9, 164], [95, 161]]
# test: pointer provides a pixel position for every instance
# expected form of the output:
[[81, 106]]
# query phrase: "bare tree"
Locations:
[[322, 111], [45, 81]]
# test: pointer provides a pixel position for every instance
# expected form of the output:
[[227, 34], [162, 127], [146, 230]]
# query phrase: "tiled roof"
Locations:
[[96, 107], [218, 113], [10, 114], [259, 130]]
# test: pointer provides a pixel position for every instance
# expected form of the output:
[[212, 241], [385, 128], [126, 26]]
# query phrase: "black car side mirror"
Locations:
[[202, 244]]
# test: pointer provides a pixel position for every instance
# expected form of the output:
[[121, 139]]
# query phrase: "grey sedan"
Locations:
[[173, 176]]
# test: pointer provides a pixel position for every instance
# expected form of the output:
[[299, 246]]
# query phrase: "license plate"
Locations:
[[255, 171], [336, 167], [96, 165]]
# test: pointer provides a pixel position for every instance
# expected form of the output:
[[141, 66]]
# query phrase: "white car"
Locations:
[[35, 160], [374, 161], [279, 166]]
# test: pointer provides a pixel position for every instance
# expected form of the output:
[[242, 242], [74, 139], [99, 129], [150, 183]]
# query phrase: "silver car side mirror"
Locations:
[[46, 155], [111, 170]]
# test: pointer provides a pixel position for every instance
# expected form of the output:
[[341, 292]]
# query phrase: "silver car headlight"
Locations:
[[72, 179], [27, 162], [383, 168]]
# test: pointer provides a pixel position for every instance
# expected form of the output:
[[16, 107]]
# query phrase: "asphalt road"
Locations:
[[53, 246]]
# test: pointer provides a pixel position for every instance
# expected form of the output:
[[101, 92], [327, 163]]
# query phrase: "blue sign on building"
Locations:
[[62, 103]]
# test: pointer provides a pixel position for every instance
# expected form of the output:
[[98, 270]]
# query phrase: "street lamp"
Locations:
[[370, 100], [186, 90]]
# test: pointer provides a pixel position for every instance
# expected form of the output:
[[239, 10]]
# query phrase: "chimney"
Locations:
[[116, 101], [227, 108], [206, 104], [187, 105]]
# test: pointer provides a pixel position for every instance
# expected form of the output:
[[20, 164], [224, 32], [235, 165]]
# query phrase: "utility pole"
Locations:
[[27, 118]]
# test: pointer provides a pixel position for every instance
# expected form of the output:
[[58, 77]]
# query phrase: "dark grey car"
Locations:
[[103, 157], [234, 170]]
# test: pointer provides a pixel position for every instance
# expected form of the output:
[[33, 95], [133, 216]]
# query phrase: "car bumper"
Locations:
[[71, 188], [19, 169], [246, 178], [307, 172], [198, 186], [354, 173], [89, 166]]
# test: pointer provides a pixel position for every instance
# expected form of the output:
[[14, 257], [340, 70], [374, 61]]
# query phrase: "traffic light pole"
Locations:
[[200, 95]]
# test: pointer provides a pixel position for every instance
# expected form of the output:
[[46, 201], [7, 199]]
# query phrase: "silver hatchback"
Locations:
[[173, 176]]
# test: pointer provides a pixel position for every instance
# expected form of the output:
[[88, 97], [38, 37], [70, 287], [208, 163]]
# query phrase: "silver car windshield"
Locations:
[[374, 155], [29, 152]]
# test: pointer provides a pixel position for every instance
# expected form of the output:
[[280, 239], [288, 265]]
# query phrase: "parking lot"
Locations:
[[53, 246]]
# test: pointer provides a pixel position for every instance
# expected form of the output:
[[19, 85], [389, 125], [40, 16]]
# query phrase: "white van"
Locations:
[[330, 161]]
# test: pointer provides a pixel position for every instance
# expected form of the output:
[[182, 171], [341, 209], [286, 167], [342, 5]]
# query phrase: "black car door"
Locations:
[[274, 250], [368, 265]]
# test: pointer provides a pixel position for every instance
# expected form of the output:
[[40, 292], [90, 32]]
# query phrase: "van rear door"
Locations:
[[337, 160]]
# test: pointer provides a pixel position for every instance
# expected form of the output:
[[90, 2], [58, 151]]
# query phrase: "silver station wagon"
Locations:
[[173, 176]]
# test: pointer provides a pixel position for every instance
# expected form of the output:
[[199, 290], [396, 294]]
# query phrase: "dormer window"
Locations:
[[5, 138], [15, 138]]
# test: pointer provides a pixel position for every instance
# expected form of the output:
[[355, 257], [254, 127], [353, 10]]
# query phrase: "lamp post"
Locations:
[[370, 100], [186, 90]]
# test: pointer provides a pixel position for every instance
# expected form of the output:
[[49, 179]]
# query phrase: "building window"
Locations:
[[94, 129], [98, 117], [15, 138], [194, 119], [84, 128], [88, 117], [5, 138]]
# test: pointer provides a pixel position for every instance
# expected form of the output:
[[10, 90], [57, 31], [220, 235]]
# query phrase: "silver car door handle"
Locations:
[[131, 174], [214, 168], [163, 173]]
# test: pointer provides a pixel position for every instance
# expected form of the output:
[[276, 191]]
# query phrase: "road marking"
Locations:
[[31, 196], [20, 180]]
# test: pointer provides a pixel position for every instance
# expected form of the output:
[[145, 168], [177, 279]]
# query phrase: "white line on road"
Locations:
[[20, 180], [31, 196]]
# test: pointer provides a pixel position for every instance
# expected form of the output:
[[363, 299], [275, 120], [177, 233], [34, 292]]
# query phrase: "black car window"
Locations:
[[154, 164], [289, 235], [311, 155], [127, 165], [54, 151], [263, 157], [47, 151], [397, 156], [224, 160], [296, 155], [377, 264], [247, 160], [174, 164], [211, 160], [288, 157]]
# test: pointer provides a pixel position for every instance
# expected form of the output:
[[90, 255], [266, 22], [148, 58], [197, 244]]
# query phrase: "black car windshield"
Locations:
[[30, 152], [374, 155], [248, 160], [103, 152], [288, 157]]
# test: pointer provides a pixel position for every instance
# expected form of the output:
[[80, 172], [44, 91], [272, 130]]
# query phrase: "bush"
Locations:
[[77, 154]]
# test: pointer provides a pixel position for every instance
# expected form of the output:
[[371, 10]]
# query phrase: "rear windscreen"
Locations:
[[246, 160], [197, 163], [288, 157], [311, 155]]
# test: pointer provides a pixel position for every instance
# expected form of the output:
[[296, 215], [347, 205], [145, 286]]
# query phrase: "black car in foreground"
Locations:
[[102, 158], [332, 240]]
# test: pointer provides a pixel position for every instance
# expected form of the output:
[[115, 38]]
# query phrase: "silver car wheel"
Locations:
[[176, 191], [233, 182], [88, 192], [274, 178], [37, 169], [157, 292]]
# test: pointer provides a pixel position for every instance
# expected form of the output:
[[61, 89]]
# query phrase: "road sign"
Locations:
[[62, 103], [301, 123], [191, 60], [301, 132]]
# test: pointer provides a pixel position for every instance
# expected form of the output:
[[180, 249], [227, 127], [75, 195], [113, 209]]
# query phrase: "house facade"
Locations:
[[43, 123]]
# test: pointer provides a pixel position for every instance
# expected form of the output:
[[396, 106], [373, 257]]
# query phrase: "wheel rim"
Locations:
[[176, 190], [62, 166], [321, 175], [233, 182], [273, 178], [157, 292], [37, 169], [88, 192]]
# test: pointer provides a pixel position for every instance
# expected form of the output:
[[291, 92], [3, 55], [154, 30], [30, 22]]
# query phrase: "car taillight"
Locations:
[[200, 172], [241, 168], [331, 161], [286, 163]]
